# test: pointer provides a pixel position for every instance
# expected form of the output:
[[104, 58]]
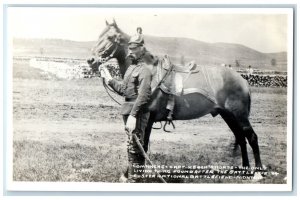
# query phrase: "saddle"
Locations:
[[191, 67], [177, 75], [172, 82]]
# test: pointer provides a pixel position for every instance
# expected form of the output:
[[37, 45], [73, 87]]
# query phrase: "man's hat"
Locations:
[[136, 40]]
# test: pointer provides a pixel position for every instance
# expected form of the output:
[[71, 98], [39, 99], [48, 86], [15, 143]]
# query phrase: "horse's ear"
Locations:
[[106, 23], [114, 22]]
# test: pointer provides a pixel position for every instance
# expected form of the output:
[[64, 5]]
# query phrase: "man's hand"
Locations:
[[105, 74], [131, 123]]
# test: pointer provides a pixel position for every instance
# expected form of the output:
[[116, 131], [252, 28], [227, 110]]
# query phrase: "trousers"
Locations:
[[135, 156]]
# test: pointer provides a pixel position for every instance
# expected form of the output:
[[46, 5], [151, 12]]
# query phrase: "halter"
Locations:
[[105, 60], [117, 45]]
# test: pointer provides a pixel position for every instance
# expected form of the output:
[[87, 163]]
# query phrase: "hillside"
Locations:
[[52, 47], [179, 49], [215, 53]]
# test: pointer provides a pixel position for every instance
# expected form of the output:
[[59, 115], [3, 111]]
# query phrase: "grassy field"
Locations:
[[70, 130]]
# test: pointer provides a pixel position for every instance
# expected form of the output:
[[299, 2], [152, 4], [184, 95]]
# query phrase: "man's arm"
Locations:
[[117, 86], [144, 92]]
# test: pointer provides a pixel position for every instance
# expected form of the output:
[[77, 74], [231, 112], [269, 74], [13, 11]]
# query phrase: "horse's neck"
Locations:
[[122, 61]]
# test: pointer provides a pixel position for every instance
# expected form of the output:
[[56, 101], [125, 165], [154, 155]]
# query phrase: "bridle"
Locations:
[[117, 44], [103, 61]]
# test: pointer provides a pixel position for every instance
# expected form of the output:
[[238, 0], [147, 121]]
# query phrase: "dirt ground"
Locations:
[[70, 130]]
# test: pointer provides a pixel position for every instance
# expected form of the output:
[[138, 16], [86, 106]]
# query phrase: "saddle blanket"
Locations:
[[206, 81]]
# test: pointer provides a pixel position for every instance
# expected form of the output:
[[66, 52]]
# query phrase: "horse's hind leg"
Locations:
[[233, 124], [239, 106], [236, 116], [253, 141]]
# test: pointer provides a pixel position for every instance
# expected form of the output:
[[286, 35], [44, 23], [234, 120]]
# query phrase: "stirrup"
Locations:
[[168, 123], [170, 116]]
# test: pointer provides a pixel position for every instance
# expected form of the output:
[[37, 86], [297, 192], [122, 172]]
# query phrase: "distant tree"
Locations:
[[273, 62], [237, 63]]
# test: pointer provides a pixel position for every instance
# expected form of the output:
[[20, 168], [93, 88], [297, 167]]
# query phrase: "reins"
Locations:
[[107, 88]]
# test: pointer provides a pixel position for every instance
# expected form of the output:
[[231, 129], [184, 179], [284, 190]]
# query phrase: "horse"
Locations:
[[228, 94]]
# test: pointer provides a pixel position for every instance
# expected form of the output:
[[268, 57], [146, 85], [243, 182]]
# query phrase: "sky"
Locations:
[[261, 29]]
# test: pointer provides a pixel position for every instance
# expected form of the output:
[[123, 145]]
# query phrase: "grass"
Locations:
[[59, 161], [65, 162], [266, 90], [75, 162]]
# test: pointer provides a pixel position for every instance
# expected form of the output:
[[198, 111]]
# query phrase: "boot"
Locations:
[[170, 115], [134, 176], [170, 107], [124, 176], [131, 174]]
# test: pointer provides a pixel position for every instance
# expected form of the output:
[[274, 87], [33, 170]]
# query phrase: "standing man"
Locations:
[[250, 70], [136, 88]]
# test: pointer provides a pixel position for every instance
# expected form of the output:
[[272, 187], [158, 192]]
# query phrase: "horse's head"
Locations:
[[110, 41]]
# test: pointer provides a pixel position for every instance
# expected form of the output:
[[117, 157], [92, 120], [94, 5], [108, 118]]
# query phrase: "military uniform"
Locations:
[[136, 88]]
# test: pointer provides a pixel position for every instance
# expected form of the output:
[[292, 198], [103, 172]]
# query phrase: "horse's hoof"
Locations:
[[123, 179]]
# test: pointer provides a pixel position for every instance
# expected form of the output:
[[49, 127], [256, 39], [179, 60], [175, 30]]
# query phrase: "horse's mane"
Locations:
[[126, 36]]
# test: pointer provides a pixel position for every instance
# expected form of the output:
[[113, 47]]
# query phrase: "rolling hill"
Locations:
[[179, 49]]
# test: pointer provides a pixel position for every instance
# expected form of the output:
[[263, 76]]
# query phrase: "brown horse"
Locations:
[[202, 91]]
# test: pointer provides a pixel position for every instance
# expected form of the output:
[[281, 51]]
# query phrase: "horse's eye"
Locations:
[[110, 37]]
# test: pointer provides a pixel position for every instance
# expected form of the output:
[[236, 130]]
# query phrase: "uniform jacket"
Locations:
[[135, 87]]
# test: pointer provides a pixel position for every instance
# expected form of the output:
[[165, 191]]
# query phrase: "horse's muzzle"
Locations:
[[90, 61]]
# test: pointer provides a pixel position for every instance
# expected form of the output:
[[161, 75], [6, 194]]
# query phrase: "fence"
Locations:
[[260, 80]]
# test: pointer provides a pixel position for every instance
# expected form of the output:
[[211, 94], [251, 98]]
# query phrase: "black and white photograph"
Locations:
[[181, 99]]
